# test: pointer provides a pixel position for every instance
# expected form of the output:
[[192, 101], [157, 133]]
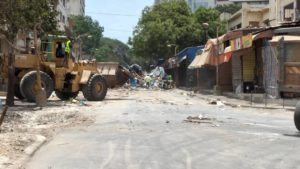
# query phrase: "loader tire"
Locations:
[[18, 93], [66, 95], [297, 116], [29, 87], [95, 89]]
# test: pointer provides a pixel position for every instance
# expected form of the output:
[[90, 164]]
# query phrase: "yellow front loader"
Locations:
[[59, 73]]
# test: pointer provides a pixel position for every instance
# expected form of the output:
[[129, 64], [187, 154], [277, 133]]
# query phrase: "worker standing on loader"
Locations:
[[68, 50]]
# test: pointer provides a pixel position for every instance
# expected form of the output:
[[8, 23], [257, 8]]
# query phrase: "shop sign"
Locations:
[[241, 43], [247, 41]]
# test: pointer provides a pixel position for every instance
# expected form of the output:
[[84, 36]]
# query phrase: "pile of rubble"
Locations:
[[23, 124]]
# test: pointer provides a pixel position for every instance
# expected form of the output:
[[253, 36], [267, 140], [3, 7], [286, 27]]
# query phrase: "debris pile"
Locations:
[[198, 119], [21, 125]]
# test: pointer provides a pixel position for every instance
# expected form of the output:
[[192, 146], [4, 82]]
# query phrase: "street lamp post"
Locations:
[[217, 90], [175, 50], [176, 68], [205, 26]]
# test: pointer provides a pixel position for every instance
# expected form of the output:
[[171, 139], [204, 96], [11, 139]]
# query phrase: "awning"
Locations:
[[204, 59], [263, 34], [209, 56], [181, 59], [286, 38]]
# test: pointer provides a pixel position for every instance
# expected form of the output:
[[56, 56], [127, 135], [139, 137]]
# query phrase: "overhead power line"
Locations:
[[112, 14], [117, 30]]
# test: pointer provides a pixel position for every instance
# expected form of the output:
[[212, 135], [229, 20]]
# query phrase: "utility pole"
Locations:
[[217, 89], [205, 27]]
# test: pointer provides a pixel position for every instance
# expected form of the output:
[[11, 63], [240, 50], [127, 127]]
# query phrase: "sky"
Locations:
[[118, 17]]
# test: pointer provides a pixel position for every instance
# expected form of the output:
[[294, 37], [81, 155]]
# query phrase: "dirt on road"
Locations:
[[25, 121]]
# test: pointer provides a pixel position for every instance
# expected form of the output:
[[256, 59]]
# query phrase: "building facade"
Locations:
[[249, 2], [262, 15], [76, 7], [62, 17], [249, 16], [284, 11], [67, 8], [195, 4]]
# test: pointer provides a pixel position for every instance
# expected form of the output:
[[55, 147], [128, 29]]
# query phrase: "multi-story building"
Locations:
[[67, 8], [249, 16], [195, 4], [284, 11], [76, 7], [249, 2], [62, 16], [261, 15]]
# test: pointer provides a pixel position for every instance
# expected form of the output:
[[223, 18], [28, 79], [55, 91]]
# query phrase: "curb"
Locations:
[[40, 140], [245, 106], [258, 107]]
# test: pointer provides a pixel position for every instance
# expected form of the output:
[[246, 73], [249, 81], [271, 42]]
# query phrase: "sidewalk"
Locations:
[[244, 100]]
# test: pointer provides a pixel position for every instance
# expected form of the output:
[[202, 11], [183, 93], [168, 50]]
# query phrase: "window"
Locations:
[[288, 12], [292, 52], [253, 24]]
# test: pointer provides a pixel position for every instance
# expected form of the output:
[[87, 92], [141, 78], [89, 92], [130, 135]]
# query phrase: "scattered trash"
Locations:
[[219, 103], [214, 102], [215, 125], [74, 101], [37, 108], [82, 102], [200, 116], [198, 119], [191, 94], [172, 103]]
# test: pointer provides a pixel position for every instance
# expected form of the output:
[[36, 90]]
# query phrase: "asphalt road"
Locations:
[[146, 131]]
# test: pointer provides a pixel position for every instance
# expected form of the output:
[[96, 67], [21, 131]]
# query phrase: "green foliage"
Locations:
[[112, 50], [90, 30], [23, 15], [169, 22], [229, 8], [210, 16]]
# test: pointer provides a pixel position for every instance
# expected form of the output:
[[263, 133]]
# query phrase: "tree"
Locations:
[[229, 8], [21, 16], [170, 22], [210, 16], [85, 25], [112, 50]]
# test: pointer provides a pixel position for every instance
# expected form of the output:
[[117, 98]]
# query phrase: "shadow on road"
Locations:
[[292, 135], [120, 99]]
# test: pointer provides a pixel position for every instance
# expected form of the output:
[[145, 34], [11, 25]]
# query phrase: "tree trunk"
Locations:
[[11, 79]]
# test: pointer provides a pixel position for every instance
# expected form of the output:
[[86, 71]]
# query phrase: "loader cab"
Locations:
[[54, 49]]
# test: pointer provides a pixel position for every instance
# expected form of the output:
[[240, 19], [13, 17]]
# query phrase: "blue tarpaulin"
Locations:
[[189, 53]]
